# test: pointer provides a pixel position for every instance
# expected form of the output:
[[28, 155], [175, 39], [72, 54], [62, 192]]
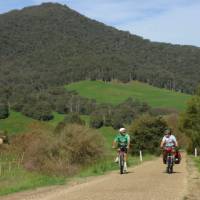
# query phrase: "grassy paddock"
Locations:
[[115, 93]]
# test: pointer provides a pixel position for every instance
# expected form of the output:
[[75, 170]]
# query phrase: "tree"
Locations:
[[146, 133], [40, 110], [4, 111], [190, 121], [96, 121]]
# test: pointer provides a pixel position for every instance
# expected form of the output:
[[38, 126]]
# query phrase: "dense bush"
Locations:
[[96, 121], [74, 118], [40, 110], [146, 133], [62, 153]]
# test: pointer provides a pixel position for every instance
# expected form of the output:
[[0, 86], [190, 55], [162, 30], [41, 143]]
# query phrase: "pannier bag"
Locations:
[[177, 157]]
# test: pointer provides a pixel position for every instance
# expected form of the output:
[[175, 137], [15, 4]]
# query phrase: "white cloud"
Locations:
[[178, 25]]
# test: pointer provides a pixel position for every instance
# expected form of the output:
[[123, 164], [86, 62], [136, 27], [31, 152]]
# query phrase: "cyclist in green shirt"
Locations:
[[122, 140]]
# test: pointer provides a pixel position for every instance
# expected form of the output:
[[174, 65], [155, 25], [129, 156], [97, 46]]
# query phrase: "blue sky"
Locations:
[[173, 21]]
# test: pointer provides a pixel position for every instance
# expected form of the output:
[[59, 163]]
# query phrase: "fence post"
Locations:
[[9, 167], [195, 152], [140, 155]]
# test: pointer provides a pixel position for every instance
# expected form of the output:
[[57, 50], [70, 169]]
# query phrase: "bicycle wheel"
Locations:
[[121, 163], [169, 165]]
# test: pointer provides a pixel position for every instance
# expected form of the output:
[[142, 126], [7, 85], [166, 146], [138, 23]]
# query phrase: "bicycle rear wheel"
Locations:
[[121, 163]]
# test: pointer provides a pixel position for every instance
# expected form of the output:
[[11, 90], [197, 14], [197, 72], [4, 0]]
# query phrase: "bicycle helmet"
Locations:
[[122, 130]]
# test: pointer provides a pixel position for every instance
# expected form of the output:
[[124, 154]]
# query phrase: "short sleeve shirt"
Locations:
[[169, 141], [122, 140]]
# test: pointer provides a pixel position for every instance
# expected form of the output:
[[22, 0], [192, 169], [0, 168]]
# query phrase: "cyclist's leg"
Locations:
[[164, 156], [125, 161], [117, 156], [125, 157]]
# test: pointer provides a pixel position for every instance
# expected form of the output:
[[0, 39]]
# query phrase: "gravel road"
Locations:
[[146, 181]]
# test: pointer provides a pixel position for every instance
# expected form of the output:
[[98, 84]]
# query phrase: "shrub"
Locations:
[[74, 118], [117, 122], [96, 121], [146, 133], [40, 111], [60, 154]]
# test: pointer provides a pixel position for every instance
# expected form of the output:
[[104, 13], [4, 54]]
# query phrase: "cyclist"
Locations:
[[168, 140], [122, 141]]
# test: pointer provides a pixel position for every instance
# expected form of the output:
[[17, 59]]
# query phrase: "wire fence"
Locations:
[[8, 164]]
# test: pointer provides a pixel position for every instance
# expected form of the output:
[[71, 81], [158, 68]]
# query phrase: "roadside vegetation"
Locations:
[[190, 122], [197, 162]]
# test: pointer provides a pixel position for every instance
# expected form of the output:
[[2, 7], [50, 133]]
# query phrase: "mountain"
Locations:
[[51, 45]]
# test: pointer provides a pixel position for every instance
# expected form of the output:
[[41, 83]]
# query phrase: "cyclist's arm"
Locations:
[[162, 142], [114, 144], [175, 141]]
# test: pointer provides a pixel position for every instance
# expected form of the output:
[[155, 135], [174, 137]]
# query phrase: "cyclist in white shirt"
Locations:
[[168, 140]]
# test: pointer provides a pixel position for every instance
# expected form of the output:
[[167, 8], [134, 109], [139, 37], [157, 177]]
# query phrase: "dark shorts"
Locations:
[[124, 149]]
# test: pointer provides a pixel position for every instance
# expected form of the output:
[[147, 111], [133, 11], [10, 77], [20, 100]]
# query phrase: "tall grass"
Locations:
[[19, 179]]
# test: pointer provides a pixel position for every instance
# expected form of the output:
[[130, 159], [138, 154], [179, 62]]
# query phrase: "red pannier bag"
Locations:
[[177, 157]]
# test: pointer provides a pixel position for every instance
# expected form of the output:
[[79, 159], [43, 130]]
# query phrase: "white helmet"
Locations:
[[122, 130]]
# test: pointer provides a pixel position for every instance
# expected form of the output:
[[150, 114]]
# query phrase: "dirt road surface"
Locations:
[[147, 181]]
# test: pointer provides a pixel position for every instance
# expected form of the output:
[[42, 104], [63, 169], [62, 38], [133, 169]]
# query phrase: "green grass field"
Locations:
[[115, 93], [15, 123], [18, 123]]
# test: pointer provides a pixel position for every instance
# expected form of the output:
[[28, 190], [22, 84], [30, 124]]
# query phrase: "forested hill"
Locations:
[[50, 44]]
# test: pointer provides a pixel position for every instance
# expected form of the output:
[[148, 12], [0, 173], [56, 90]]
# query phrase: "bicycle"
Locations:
[[169, 159], [122, 151]]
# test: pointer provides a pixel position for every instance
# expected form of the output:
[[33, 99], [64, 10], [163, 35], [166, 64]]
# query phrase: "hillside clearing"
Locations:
[[115, 93]]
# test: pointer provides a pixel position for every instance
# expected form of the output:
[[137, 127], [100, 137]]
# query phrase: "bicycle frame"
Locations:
[[170, 159]]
